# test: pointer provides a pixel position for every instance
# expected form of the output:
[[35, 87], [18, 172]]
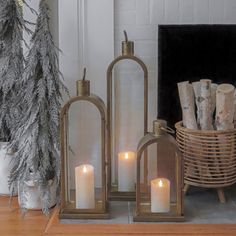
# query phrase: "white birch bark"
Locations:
[[187, 104], [225, 107], [205, 105], [186, 96], [213, 97], [224, 112]]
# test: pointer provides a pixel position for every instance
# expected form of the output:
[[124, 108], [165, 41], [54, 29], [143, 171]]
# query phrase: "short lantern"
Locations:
[[83, 183], [161, 199], [121, 163]]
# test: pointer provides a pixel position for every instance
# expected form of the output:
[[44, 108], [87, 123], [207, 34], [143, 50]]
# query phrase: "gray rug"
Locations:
[[201, 207]]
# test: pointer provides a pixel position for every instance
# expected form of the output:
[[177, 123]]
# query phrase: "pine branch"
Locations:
[[12, 61]]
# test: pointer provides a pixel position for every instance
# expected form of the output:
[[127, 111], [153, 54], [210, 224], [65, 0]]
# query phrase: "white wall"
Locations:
[[86, 39]]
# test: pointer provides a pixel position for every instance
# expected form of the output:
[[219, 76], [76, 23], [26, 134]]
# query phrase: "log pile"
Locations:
[[215, 105]]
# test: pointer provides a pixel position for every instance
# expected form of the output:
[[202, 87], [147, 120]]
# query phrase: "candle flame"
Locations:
[[160, 183], [126, 156], [85, 169]]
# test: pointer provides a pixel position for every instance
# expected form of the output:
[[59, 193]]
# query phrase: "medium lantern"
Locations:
[[161, 199], [121, 163], [81, 196]]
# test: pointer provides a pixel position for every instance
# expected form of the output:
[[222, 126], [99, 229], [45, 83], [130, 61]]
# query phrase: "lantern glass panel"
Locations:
[[127, 112], [163, 159], [84, 147]]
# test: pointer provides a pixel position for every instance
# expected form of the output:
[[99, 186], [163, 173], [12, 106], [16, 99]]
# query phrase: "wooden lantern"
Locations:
[[81, 199], [114, 191], [161, 198]]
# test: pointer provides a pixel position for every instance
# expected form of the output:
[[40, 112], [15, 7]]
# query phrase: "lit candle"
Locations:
[[84, 187], [160, 195], [126, 171]]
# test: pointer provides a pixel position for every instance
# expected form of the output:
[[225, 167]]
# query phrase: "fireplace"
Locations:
[[192, 52]]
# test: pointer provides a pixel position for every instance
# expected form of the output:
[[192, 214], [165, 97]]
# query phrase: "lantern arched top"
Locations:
[[150, 139], [127, 57], [147, 140], [93, 99]]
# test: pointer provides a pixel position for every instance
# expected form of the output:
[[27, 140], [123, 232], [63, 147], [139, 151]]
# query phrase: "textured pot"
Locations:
[[31, 199], [5, 167]]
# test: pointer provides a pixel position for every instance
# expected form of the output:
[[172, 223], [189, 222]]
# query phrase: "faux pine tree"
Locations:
[[37, 136], [11, 63]]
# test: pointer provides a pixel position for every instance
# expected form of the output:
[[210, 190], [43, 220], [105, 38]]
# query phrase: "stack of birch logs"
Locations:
[[210, 99], [206, 135]]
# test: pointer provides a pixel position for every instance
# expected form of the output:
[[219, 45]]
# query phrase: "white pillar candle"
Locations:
[[160, 195], [84, 187], [126, 171]]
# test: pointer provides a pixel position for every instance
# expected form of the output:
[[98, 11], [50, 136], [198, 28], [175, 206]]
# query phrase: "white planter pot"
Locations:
[[5, 167], [32, 200]]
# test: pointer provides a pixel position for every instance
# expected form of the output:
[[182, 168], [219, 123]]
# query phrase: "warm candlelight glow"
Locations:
[[84, 187], [85, 169], [126, 171], [160, 195]]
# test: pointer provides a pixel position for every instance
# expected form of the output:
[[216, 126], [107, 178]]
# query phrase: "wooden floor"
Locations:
[[12, 222], [34, 224]]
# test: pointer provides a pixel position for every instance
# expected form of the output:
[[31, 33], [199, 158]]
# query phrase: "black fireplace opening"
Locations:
[[191, 53]]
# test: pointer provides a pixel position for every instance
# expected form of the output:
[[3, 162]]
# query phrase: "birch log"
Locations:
[[213, 98], [197, 93], [224, 112], [186, 96], [225, 107], [206, 108], [217, 162], [187, 104], [200, 99], [205, 105]]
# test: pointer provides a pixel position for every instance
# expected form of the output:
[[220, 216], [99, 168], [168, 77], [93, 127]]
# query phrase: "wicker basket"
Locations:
[[209, 156]]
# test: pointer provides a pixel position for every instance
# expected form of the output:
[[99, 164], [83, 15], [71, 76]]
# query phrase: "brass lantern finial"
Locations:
[[85, 71], [160, 127], [83, 86], [127, 46]]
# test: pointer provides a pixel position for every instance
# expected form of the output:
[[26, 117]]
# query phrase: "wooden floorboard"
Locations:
[[13, 223], [35, 223]]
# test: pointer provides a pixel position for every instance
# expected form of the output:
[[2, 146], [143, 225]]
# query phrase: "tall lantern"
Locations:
[[121, 163], [80, 197], [161, 199]]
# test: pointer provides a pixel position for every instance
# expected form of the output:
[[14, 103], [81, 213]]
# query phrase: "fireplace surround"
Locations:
[[192, 52]]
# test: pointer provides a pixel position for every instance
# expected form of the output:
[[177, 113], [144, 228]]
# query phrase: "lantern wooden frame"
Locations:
[[127, 54], [176, 214], [67, 209]]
